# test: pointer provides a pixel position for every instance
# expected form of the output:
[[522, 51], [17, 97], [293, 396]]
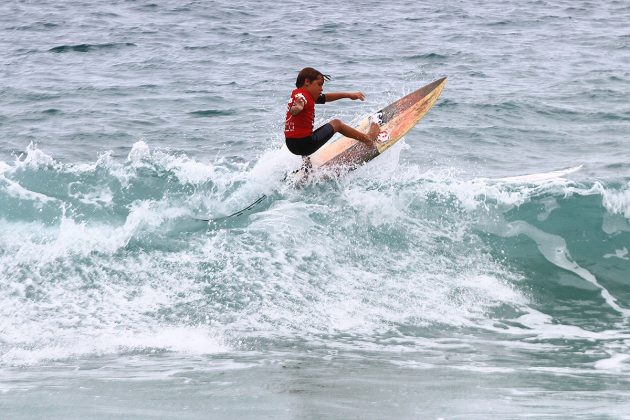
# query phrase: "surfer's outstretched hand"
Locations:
[[356, 95]]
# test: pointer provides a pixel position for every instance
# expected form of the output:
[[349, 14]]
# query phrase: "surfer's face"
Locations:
[[314, 87]]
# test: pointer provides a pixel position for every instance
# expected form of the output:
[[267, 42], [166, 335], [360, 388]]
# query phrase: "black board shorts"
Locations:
[[305, 146]]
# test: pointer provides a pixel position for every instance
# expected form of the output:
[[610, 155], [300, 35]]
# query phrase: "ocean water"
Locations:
[[434, 282]]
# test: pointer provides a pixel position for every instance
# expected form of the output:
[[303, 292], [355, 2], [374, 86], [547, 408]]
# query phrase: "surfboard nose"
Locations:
[[436, 84]]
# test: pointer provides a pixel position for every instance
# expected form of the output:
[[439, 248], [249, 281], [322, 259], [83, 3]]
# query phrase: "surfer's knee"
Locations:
[[336, 124]]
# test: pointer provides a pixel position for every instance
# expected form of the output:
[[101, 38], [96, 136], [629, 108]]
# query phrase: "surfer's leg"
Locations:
[[309, 145], [301, 147], [367, 138], [321, 136]]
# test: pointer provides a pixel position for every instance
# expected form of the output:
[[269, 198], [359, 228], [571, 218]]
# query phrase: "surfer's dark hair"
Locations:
[[310, 74]]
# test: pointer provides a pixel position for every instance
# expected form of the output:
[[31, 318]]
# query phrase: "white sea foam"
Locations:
[[34, 158], [622, 254], [33, 242], [307, 266], [616, 363], [351, 296], [541, 326], [615, 223], [104, 307], [101, 195], [139, 152], [617, 201], [186, 340], [550, 204], [14, 189]]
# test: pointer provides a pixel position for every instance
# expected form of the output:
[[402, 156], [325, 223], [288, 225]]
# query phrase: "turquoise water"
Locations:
[[431, 283]]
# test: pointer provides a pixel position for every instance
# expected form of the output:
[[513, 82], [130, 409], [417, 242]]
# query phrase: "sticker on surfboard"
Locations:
[[377, 118]]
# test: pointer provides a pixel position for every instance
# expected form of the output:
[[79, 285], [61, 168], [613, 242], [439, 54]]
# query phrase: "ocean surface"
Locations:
[[434, 282]]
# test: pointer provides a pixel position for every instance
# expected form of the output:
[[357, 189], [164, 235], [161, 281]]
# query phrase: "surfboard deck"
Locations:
[[395, 120]]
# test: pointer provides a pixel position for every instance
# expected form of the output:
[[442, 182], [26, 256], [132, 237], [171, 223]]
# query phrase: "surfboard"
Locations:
[[395, 120]]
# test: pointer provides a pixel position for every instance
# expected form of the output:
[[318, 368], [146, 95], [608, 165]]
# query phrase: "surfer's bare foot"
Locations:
[[372, 133], [366, 138]]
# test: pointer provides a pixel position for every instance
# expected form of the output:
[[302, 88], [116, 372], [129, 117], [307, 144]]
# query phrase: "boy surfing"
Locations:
[[298, 128]]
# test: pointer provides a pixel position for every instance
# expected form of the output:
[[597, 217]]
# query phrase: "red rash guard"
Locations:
[[301, 125]]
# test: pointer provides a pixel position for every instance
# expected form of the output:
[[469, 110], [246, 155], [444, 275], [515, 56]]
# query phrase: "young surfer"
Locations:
[[298, 128]]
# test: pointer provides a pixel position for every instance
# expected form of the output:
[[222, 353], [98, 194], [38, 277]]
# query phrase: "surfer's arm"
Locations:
[[296, 109], [298, 105], [333, 96]]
